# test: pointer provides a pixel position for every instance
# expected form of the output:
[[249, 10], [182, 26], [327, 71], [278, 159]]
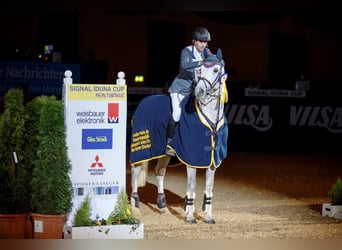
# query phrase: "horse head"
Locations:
[[209, 78], [210, 89]]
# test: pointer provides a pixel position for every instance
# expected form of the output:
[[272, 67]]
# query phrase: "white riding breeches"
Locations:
[[176, 99]]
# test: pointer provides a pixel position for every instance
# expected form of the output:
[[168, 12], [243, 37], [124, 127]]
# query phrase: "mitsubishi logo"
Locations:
[[97, 162]]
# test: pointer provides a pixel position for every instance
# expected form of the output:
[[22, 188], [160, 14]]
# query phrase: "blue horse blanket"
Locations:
[[195, 142]]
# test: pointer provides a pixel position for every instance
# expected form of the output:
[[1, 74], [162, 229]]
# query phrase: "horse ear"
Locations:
[[219, 54]]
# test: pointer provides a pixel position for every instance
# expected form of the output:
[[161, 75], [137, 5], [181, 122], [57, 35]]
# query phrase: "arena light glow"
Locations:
[[139, 78]]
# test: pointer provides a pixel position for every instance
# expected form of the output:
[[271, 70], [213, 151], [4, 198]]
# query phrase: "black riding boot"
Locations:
[[170, 130]]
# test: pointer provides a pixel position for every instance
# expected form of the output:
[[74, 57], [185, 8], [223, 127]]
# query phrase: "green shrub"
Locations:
[[51, 184], [14, 173], [82, 216], [122, 213], [336, 193]]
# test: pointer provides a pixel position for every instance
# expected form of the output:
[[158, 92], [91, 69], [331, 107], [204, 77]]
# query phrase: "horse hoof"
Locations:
[[211, 221], [161, 201], [191, 221], [161, 205], [135, 200]]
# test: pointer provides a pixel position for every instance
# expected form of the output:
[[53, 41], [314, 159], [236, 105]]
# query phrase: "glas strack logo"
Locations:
[[113, 112]]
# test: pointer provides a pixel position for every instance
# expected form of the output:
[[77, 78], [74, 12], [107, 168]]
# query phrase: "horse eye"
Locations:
[[216, 70]]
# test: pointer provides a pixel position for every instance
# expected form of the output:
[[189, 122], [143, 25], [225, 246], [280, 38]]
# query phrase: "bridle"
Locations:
[[208, 92], [209, 86]]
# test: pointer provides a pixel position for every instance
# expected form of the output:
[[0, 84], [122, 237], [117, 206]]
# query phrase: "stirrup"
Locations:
[[170, 151]]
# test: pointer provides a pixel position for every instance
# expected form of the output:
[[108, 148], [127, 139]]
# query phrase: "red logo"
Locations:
[[113, 112], [97, 162]]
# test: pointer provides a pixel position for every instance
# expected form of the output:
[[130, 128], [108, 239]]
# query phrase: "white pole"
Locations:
[[121, 78], [67, 77]]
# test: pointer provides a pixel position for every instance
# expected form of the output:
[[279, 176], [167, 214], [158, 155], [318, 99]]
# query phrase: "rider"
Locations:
[[191, 58]]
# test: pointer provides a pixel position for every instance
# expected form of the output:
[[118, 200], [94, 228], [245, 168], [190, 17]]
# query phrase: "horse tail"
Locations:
[[143, 174]]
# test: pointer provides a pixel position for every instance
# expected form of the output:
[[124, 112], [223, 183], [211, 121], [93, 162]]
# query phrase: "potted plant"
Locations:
[[51, 198], [33, 110], [120, 224], [82, 217], [122, 213], [14, 173], [336, 193], [334, 208]]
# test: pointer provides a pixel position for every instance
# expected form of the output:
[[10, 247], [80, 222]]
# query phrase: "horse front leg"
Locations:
[[138, 179], [208, 195], [135, 172], [160, 172], [189, 206]]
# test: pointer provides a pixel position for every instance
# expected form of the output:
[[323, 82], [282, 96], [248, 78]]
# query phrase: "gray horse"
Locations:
[[200, 139]]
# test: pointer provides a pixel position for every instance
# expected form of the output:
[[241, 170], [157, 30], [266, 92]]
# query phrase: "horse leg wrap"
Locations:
[[135, 200], [206, 201], [189, 208], [161, 201], [188, 202], [206, 207]]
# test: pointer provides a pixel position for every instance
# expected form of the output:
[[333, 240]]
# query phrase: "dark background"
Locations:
[[59, 23]]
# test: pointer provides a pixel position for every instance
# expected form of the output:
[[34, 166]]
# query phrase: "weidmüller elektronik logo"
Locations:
[[113, 112]]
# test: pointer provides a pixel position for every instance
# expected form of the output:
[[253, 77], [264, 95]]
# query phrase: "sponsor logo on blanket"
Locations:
[[141, 140]]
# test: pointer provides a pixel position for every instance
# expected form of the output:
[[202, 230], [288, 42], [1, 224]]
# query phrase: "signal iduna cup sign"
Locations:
[[96, 116]]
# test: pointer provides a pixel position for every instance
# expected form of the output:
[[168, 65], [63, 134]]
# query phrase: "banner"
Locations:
[[40, 78], [96, 116], [274, 120]]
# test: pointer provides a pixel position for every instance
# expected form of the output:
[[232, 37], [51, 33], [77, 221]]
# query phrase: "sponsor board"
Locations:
[[96, 116]]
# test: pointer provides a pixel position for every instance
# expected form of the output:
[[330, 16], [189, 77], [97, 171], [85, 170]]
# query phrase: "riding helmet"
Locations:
[[202, 34]]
